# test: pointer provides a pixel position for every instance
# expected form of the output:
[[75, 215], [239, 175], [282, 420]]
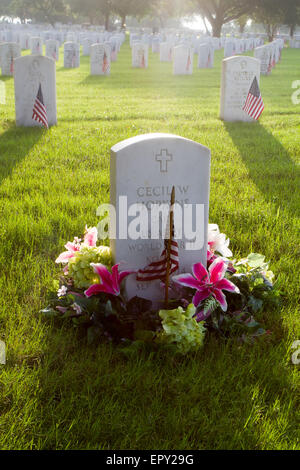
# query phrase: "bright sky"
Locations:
[[195, 23]]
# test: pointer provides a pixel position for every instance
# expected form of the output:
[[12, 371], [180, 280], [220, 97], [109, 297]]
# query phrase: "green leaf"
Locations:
[[256, 260], [144, 335], [94, 334], [49, 312], [255, 304]]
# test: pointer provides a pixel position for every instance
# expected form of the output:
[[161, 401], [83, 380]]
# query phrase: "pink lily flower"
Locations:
[[110, 281], [91, 236], [71, 250], [206, 283], [211, 257]]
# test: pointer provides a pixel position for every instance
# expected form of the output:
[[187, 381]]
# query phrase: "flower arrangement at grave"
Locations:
[[222, 298]]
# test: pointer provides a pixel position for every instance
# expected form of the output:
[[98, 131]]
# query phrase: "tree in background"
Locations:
[[270, 14], [94, 10], [163, 10], [242, 22], [291, 14], [6, 8], [48, 11], [220, 12], [134, 8]]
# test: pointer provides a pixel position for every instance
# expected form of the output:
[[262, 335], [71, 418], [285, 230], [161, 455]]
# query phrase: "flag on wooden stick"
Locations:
[[188, 64], [254, 104], [105, 64], [39, 112], [168, 261]]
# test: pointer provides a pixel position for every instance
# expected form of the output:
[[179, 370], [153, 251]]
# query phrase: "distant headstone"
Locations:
[[25, 41], [31, 72], [140, 55], [166, 52], [86, 45], [100, 59], [71, 55], [263, 54], [9, 52], [237, 76], [155, 45], [183, 60], [36, 45], [144, 169], [205, 56], [229, 49], [52, 49]]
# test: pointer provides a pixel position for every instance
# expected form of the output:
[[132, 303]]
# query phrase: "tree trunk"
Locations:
[[123, 21], [242, 28], [292, 30], [217, 27], [106, 21], [205, 24]]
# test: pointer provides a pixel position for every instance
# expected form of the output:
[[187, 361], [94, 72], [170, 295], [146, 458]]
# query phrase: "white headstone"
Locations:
[[183, 60], [166, 52], [36, 46], [229, 48], [237, 76], [205, 56], [25, 41], [71, 55], [144, 169], [100, 59], [9, 52], [86, 44], [263, 54], [52, 49], [29, 73], [140, 55]]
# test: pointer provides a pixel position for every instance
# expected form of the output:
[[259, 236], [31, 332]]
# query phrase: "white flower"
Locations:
[[77, 308], [62, 291], [217, 241]]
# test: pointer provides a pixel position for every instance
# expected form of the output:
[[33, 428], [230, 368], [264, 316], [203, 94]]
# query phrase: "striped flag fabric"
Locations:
[[39, 112], [143, 63], [254, 104], [158, 269], [188, 64], [12, 65], [105, 64], [208, 60]]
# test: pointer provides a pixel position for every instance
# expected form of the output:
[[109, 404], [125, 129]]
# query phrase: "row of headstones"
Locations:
[[182, 56], [101, 56], [25, 40], [33, 72], [295, 42], [269, 55]]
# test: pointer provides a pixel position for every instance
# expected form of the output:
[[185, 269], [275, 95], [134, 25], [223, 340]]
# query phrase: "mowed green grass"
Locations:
[[58, 393]]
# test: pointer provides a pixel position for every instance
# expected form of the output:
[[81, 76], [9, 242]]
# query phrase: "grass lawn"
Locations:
[[58, 393]]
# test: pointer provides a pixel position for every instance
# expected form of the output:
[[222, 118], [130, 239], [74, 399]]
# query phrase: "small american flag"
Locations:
[[114, 53], [143, 63], [188, 64], [39, 112], [208, 60], [105, 64], [11, 65], [158, 269], [254, 104]]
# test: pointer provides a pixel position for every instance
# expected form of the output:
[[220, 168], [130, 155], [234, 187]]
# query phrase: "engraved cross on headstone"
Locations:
[[163, 158]]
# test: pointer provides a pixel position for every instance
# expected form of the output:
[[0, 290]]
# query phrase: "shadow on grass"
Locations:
[[269, 164], [15, 144]]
